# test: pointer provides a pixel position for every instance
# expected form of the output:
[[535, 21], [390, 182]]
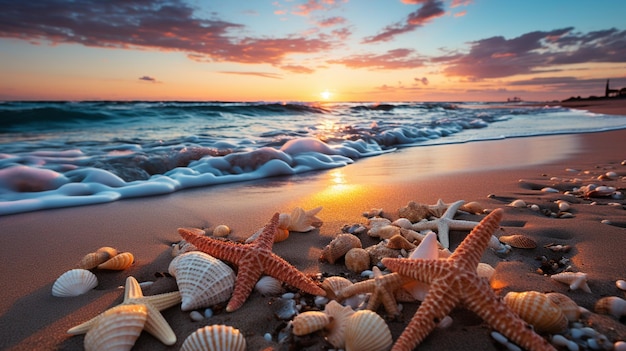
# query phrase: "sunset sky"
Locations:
[[309, 50]]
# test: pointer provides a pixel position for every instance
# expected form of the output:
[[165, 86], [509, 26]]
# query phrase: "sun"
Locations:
[[325, 95]]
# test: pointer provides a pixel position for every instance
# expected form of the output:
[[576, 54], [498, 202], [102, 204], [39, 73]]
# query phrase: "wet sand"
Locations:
[[38, 247]]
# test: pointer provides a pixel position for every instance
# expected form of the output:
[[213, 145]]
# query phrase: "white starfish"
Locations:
[[446, 222]]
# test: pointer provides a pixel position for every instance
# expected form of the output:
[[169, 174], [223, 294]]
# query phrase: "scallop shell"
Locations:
[[117, 329], [338, 247], [203, 280], [268, 286], [570, 309], [367, 331], [339, 316], [118, 262], [399, 242], [612, 305], [485, 270], [74, 282], [538, 310], [472, 207], [92, 260], [221, 230], [357, 260], [309, 322], [333, 286], [519, 241], [181, 247], [215, 338], [281, 235]]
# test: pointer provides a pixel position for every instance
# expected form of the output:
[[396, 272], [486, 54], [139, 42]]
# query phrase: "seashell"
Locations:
[[74, 282], [117, 328], [620, 284], [472, 207], [357, 260], [339, 315], [384, 232], [309, 322], [215, 338], [613, 305], [281, 235], [538, 310], [402, 223], [563, 205], [519, 241], [399, 242], [304, 221], [118, 262], [339, 246], [485, 270], [379, 251], [367, 331], [569, 308], [202, 279], [414, 211], [181, 247], [374, 212], [575, 281], [110, 250], [221, 230], [518, 203], [93, 259], [269, 286], [333, 286]]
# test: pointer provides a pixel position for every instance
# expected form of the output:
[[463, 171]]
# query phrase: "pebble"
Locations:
[[621, 284], [267, 337], [619, 345], [549, 190], [560, 340], [320, 300], [196, 316], [288, 295], [208, 313]]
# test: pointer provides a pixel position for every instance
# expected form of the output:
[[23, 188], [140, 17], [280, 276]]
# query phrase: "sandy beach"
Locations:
[[38, 247]]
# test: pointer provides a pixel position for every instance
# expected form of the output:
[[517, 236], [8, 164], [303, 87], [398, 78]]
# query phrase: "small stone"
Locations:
[[196, 316]]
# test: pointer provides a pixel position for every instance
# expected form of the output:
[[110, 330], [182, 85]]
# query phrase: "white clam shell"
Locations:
[[203, 280], [215, 338], [367, 331], [74, 282], [268, 286], [117, 329]]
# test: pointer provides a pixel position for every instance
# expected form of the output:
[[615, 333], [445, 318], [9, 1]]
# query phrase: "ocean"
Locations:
[[61, 154]]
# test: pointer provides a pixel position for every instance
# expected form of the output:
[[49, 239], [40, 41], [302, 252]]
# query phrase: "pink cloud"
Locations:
[[430, 10], [331, 21], [392, 59], [257, 74]]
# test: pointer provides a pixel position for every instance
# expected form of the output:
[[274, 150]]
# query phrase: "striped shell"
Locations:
[[367, 331], [333, 286], [485, 270], [613, 305], [538, 310], [268, 286], [570, 309], [202, 279], [339, 246], [118, 262], [74, 282], [309, 322], [117, 329], [519, 241], [357, 260], [336, 328], [215, 338], [92, 260]]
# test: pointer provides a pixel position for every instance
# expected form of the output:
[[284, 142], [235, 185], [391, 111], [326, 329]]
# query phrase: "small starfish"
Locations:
[[253, 260], [438, 209], [155, 323], [453, 282], [382, 289], [446, 222]]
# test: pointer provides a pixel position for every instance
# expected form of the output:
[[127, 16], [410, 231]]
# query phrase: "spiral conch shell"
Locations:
[[74, 282], [538, 310], [613, 305], [575, 280], [339, 246], [367, 331], [117, 329], [570, 309], [202, 279], [118, 262], [215, 338], [301, 221], [93, 259], [309, 322]]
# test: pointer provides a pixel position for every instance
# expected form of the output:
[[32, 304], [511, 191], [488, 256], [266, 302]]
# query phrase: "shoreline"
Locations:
[[40, 246]]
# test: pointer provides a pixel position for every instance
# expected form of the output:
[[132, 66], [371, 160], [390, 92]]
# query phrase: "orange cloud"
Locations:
[[392, 59]]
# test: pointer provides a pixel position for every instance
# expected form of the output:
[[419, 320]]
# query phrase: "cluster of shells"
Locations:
[[80, 280]]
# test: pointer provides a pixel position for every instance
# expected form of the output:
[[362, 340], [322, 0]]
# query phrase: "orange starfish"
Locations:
[[453, 282], [253, 260], [382, 288]]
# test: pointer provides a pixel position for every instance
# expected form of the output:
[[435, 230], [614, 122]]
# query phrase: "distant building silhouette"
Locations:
[[608, 92]]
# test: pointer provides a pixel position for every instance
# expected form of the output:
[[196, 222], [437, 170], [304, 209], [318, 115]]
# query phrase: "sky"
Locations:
[[310, 50]]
